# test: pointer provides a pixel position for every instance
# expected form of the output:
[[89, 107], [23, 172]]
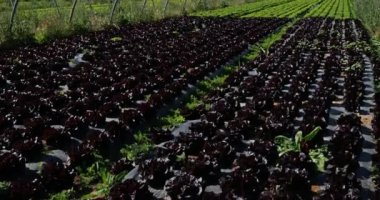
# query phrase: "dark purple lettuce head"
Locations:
[[184, 186], [55, 137], [122, 165], [25, 189], [55, 175], [11, 163], [75, 126], [29, 148], [124, 190]]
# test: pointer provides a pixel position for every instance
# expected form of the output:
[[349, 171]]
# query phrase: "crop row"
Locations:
[[244, 9], [63, 100], [299, 9], [283, 10], [340, 9], [346, 131], [334, 9], [322, 10], [234, 148], [278, 8]]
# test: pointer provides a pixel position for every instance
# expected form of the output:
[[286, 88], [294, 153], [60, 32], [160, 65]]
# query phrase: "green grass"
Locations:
[[369, 12], [63, 195], [376, 45], [36, 4], [41, 22]]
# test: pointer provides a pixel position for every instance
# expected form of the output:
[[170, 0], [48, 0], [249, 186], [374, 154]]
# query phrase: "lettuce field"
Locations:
[[266, 100]]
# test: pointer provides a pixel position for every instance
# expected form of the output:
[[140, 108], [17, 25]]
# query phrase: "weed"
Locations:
[[141, 146], [96, 177], [193, 102], [63, 195], [4, 188], [286, 144], [173, 119]]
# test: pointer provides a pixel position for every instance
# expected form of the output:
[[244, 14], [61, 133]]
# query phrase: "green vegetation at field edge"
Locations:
[[368, 11], [42, 24]]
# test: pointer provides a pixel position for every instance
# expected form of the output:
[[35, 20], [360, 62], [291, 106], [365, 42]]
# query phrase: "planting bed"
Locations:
[[244, 9], [376, 124], [340, 9], [314, 76], [155, 111], [291, 9], [63, 100]]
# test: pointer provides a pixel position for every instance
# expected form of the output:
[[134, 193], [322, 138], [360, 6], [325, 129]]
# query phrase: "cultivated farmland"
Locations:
[[264, 100]]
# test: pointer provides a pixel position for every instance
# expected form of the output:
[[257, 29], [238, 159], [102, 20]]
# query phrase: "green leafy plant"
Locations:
[[375, 173], [101, 189], [173, 119], [193, 102], [147, 97], [4, 187], [377, 86], [318, 156], [142, 145], [286, 144], [63, 195], [357, 46], [116, 39], [181, 157], [97, 177], [354, 67], [262, 50]]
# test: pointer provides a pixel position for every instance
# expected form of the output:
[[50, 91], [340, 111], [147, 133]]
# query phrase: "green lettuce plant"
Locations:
[[287, 144]]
